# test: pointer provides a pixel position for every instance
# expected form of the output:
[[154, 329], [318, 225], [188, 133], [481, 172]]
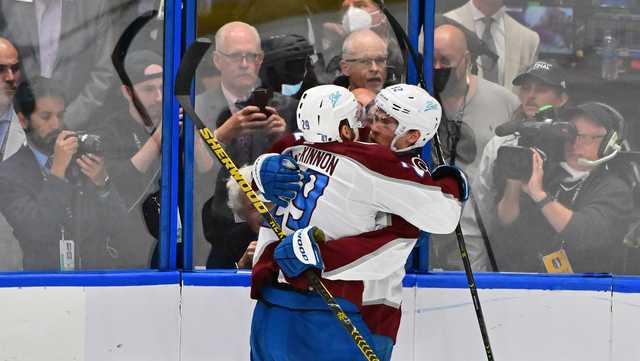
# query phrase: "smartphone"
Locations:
[[260, 98]]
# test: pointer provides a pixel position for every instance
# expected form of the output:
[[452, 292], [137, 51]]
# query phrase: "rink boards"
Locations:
[[206, 316]]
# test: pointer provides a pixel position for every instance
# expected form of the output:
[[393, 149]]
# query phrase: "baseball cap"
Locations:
[[546, 72], [138, 61]]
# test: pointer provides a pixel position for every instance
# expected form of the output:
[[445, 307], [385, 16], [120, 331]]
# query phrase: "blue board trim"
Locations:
[[626, 284], [89, 279], [233, 278], [577, 282], [221, 278]]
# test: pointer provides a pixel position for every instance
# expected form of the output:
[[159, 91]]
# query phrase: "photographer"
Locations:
[[569, 216], [55, 191], [542, 85]]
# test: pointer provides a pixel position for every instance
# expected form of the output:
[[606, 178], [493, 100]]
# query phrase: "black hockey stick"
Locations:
[[405, 46], [182, 91], [120, 53]]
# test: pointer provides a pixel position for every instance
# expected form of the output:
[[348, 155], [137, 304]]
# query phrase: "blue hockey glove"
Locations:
[[278, 177], [299, 251], [446, 171]]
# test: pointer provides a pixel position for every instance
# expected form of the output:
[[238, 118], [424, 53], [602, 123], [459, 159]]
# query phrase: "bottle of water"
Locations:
[[609, 56]]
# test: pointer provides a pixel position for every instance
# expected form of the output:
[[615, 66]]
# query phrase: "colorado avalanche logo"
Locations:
[[431, 105], [334, 97], [420, 166]]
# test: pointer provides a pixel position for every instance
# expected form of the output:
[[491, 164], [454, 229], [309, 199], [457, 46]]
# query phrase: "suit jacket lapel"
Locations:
[[467, 19], [15, 139], [512, 45]]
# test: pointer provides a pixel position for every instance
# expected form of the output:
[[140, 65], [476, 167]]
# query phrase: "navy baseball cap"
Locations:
[[546, 72], [137, 62]]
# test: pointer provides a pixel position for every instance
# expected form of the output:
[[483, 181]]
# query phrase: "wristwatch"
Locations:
[[544, 201]]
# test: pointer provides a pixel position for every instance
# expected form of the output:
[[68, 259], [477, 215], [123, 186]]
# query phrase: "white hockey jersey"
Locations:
[[370, 204]]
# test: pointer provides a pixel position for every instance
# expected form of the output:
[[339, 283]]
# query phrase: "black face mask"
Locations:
[[441, 78]]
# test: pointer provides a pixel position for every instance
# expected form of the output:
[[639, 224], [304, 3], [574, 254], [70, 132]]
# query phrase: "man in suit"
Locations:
[[69, 41], [56, 194], [515, 45], [11, 138], [243, 129]]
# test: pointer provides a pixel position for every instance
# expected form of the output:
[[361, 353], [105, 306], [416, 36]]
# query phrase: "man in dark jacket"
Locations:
[[55, 191], [244, 129], [569, 217]]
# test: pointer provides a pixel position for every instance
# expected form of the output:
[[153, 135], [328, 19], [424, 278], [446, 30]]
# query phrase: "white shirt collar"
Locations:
[[478, 15], [574, 174]]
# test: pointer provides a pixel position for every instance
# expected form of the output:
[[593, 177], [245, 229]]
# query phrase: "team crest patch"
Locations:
[[431, 105], [334, 97], [419, 164]]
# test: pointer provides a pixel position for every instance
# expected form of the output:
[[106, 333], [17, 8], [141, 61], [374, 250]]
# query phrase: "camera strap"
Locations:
[[454, 128]]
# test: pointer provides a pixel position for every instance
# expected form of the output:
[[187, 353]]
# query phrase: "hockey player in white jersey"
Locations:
[[370, 206]]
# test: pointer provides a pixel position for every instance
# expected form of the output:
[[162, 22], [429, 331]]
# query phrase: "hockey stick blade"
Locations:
[[119, 54], [182, 90]]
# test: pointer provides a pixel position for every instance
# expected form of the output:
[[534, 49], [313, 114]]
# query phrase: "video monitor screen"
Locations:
[[554, 25]]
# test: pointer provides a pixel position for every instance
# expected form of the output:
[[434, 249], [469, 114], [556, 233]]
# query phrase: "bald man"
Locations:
[[364, 60], [477, 106], [243, 129], [11, 139]]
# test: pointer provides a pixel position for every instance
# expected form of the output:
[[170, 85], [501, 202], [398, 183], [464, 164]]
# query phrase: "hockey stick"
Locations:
[[120, 53], [405, 46], [182, 91]]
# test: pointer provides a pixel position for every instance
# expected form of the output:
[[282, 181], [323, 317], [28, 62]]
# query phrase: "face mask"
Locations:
[[356, 19], [441, 78], [446, 81], [291, 89]]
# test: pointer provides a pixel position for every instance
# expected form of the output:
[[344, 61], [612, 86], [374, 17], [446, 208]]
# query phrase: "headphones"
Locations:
[[611, 143], [612, 140]]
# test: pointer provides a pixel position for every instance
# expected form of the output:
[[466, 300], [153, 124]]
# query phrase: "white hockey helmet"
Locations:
[[322, 108], [413, 108]]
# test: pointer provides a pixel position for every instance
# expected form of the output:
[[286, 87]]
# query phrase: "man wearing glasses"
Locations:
[[243, 129], [570, 217], [364, 61]]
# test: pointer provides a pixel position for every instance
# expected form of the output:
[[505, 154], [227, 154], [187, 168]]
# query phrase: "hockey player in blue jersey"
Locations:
[[370, 205]]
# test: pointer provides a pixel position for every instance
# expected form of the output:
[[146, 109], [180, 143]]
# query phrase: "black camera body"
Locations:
[[547, 136], [89, 143]]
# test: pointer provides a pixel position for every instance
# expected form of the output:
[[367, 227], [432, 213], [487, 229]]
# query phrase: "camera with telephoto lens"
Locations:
[[546, 134]]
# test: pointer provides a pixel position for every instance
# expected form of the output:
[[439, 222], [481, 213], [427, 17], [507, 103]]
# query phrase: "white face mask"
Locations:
[[356, 19], [574, 175], [291, 89]]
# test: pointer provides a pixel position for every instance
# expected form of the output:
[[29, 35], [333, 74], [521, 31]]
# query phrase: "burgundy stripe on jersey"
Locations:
[[342, 251], [382, 319]]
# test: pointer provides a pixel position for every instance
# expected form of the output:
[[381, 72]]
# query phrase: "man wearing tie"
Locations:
[[515, 45], [243, 129]]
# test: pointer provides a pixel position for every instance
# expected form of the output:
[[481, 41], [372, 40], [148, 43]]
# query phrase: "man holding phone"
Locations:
[[234, 112]]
